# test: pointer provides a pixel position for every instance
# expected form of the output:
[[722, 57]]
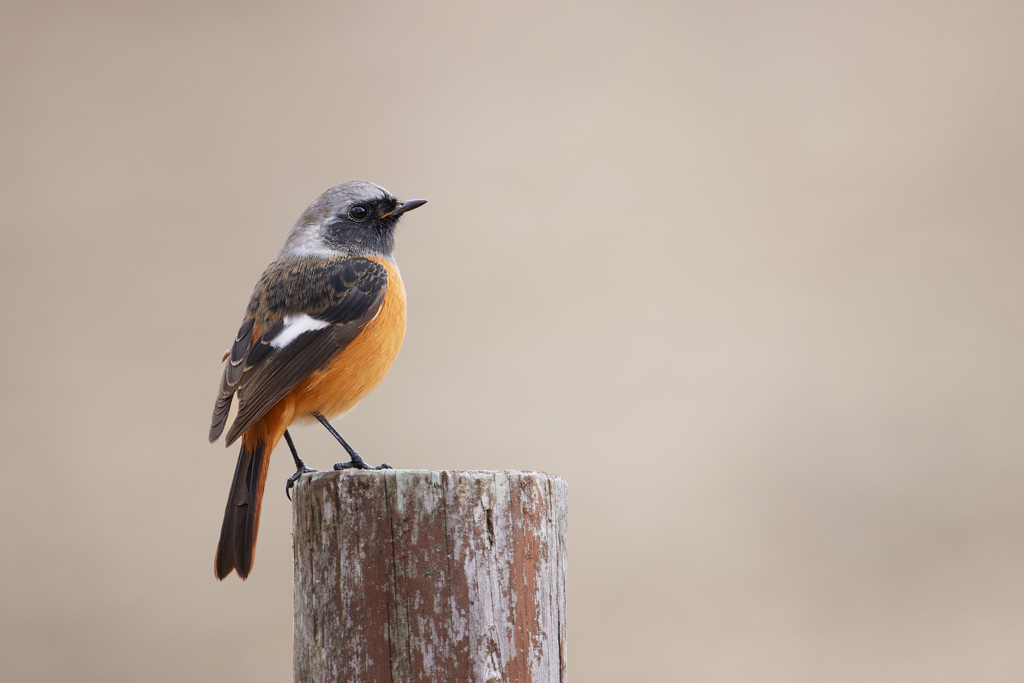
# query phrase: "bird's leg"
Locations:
[[300, 467], [357, 461]]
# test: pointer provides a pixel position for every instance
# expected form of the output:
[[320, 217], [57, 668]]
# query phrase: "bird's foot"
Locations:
[[357, 463], [295, 477]]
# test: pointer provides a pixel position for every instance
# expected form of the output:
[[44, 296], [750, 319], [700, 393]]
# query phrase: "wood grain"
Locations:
[[416, 575]]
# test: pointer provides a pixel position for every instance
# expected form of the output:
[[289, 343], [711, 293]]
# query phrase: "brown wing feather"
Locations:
[[346, 294], [232, 374]]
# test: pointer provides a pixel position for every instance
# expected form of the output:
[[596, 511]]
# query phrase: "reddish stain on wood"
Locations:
[[415, 575]]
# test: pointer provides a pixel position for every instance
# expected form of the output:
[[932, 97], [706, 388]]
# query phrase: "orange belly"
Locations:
[[362, 365]]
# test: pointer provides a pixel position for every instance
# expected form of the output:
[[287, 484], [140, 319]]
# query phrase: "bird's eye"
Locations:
[[358, 212]]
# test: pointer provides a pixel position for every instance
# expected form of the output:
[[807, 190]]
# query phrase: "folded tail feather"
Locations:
[[242, 515]]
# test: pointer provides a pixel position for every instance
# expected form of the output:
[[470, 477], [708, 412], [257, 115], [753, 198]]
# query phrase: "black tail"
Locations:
[[242, 515]]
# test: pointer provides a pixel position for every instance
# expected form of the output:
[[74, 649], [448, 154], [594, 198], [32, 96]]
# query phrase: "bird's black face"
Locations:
[[356, 218], [367, 226]]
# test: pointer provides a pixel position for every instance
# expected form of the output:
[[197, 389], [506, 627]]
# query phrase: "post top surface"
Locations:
[[461, 474]]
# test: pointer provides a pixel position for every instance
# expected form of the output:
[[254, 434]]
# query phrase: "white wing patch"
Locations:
[[294, 325]]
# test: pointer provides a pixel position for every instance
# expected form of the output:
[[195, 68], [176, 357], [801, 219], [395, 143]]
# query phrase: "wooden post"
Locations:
[[417, 575]]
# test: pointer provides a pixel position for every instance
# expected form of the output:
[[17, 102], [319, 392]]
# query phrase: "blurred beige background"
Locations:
[[748, 275]]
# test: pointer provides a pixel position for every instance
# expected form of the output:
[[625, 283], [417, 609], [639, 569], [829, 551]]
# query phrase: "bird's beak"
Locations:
[[405, 206]]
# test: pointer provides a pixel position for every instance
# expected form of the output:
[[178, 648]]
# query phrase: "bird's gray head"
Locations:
[[356, 218]]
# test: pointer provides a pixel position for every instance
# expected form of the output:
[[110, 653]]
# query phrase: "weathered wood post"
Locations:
[[417, 575]]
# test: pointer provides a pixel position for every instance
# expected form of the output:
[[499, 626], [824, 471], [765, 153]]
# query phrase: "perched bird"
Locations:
[[323, 326]]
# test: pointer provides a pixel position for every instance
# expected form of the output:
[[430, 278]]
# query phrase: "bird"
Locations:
[[323, 326]]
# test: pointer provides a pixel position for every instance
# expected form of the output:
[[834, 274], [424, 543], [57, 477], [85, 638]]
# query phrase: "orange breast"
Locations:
[[357, 370]]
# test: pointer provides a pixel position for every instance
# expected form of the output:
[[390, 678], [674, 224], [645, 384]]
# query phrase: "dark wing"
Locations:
[[306, 329], [231, 376]]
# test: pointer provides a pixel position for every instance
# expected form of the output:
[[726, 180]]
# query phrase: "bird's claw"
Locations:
[[294, 478], [357, 463]]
